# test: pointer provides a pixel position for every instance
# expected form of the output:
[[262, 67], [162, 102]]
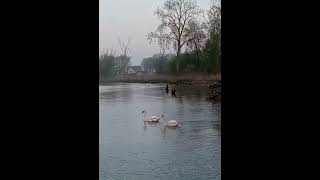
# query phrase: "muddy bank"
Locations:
[[192, 79], [210, 83], [212, 89]]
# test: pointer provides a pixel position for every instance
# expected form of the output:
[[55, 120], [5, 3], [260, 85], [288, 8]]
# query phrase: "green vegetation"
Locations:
[[106, 65], [183, 27], [194, 34]]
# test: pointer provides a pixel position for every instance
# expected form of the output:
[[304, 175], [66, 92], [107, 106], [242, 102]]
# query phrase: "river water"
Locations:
[[129, 149]]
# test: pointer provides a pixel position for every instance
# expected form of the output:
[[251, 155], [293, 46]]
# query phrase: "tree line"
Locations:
[[193, 33], [184, 26], [112, 63]]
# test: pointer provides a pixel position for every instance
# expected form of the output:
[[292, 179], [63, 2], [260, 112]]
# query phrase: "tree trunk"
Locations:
[[197, 55], [178, 58]]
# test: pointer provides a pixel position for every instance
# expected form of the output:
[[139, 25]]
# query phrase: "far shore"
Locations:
[[209, 81], [198, 78]]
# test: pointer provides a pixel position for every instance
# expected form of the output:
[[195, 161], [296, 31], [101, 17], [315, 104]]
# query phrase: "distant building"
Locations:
[[140, 73], [149, 70], [134, 69]]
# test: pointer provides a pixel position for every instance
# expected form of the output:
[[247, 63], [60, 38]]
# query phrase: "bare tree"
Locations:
[[175, 16], [124, 47], [214, 15], [196, 31], [123, 60]]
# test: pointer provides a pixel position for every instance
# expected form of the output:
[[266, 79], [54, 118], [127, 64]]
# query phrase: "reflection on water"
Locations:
[[131, 150]]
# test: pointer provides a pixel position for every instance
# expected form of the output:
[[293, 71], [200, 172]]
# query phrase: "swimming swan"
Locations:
[[150, 118], [170, 123]]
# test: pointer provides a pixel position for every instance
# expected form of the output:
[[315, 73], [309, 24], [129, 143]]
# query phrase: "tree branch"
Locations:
[[187, 41]]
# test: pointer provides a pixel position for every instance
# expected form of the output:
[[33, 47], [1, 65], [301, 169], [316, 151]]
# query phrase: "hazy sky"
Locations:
[[128, 19]]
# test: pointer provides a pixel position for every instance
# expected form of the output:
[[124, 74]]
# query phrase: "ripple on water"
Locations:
[[130, 151]]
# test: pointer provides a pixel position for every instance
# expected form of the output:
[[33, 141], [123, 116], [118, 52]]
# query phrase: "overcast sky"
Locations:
[[128, 19]]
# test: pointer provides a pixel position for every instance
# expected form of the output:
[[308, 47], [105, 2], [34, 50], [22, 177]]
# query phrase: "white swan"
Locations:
[[170, 123], [150, 118]]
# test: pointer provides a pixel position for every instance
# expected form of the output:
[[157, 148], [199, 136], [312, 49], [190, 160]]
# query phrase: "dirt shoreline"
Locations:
[[192, 79], [210, 82]]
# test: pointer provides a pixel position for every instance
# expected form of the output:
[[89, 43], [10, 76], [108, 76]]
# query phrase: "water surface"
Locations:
[[130, 150]]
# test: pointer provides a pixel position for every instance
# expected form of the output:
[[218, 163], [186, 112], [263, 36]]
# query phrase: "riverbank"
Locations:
[[210, 82], [181, 79]]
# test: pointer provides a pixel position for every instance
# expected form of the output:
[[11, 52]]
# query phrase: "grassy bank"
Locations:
[[199, 78]]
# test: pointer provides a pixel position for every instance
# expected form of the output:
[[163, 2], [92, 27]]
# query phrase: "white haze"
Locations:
[[130, 19]]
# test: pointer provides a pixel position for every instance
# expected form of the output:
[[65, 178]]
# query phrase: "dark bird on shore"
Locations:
[[215, 94], [167, 89], [173, 92]]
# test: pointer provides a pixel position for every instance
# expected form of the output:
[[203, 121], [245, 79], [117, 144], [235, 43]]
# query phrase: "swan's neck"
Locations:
[[145, 115]]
